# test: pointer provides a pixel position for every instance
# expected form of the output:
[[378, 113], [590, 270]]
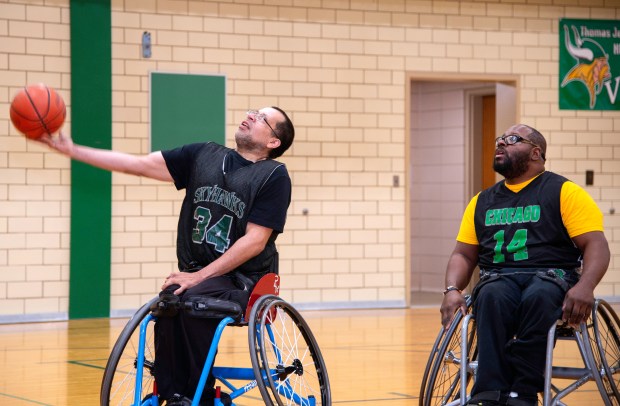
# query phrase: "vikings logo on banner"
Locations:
[[589, 64]]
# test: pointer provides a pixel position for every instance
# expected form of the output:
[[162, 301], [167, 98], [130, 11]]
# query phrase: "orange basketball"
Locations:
[[37, 110]]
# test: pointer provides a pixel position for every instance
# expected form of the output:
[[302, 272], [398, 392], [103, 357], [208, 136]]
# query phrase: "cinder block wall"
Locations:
[[340, 69]]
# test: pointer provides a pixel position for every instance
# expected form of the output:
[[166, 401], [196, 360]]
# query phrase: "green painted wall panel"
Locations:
[[187, 108], [91, 188]]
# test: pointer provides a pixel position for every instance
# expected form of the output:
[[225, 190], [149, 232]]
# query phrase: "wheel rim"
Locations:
[[119, 379], [607, 342], [254, 334], [444, 383], [291, 353], [123, 383], [429, 365]]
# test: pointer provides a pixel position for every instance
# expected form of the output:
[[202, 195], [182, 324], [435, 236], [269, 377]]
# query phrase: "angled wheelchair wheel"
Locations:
[[119, 377], [429, 363], [606, 326], [286, 359], [441, 383]]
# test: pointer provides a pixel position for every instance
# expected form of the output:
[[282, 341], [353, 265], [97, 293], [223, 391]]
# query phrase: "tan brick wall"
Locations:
[[34, 184], [340, 69]]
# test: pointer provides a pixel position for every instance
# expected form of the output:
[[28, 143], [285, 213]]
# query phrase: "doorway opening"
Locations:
[[452, 126]]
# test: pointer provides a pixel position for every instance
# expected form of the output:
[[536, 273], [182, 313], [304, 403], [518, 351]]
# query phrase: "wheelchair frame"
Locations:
[[291, 372], [598, 343]]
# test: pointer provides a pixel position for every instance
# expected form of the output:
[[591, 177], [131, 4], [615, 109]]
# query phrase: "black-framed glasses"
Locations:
[[263, 117], [512, 139]]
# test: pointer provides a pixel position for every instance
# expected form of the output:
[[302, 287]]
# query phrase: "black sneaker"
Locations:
[[522, 400], [491, 398]]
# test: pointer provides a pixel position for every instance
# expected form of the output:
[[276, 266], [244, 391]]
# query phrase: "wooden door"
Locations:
[[488, 140]]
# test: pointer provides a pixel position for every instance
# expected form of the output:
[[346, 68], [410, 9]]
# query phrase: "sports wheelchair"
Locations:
[[287, 365], [453, 362]]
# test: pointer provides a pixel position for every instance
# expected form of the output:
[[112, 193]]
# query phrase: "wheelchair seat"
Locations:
[[169, 304]]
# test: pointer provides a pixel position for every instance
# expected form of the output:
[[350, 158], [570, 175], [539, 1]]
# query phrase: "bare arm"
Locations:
[[461, 265], [246, 247], [151, 166], [579, 300]]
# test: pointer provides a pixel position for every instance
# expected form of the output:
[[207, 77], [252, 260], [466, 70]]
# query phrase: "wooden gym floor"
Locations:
[[373, 357]]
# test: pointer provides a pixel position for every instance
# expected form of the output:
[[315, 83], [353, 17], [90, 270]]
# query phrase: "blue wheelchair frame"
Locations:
[[223, 374]]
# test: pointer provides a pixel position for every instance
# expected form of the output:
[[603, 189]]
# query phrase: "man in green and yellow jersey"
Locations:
[[538, 240]]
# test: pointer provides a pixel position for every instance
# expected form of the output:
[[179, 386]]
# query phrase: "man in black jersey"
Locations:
[[234, 208], [538, 240]]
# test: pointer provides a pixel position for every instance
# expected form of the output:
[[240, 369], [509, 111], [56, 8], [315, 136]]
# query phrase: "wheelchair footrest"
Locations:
[[569, 372], [210, 307]]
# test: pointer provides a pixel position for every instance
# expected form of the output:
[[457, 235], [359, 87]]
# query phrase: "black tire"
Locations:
[[606, 347], [429, 363], [443, 382], [281, 341], [117, 386], [254, 331]]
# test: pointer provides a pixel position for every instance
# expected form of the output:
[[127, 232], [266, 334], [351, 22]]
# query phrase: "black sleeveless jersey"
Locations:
[[214, 213], [524, 229]]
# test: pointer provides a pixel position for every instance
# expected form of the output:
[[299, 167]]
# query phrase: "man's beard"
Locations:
[[512, 167], [244, 142]]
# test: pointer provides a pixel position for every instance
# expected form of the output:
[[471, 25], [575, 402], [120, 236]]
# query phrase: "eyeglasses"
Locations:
[[512, 139], [263, 117]]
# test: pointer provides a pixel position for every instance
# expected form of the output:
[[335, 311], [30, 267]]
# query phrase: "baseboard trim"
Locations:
[[125, 313], [33, 318], [387, 304]]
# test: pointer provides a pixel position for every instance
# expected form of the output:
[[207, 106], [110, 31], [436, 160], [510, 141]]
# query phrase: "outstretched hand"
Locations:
[[61, 143]]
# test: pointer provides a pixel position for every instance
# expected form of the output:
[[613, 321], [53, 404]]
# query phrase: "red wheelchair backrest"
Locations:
[[267, 285]]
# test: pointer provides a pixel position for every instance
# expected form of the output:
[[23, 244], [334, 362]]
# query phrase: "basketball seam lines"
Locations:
[[37, 110]]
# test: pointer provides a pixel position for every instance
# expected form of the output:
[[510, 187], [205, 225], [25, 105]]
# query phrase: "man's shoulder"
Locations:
[[193, 148], [211, 146], [274, 170]]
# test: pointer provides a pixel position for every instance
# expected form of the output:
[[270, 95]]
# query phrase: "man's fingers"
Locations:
[[464, 310], [448, 316], [446, 323], [445, 319], [169, 281], [574, 313], [575, 316], [176, 279]]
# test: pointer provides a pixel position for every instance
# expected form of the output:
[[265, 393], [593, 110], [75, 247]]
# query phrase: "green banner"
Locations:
[[589, 64]]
